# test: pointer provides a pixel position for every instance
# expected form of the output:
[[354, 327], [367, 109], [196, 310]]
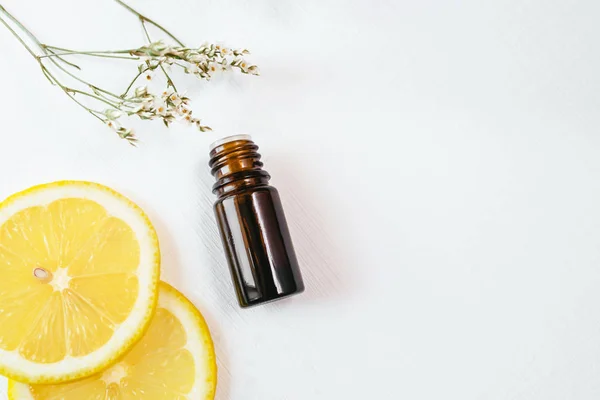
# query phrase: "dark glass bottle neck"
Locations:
[[236, 165]]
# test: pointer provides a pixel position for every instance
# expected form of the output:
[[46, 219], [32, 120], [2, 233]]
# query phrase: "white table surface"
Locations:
[[439, 162]]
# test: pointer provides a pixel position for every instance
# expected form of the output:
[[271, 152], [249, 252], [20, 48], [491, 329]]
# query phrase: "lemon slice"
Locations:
[[175, 360], [80, 270]]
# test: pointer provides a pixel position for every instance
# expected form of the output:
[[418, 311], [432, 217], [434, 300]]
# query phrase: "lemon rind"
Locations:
[[46, 373], [196, 327]]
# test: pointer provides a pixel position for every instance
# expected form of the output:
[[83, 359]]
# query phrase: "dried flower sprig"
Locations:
[[169, 106], [202, 62]]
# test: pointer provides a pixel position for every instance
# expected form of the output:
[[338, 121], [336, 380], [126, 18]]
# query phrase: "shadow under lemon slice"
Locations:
[[80, 268], [174, 360]]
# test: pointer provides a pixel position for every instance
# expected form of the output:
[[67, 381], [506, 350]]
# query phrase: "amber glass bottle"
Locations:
[[253, 227]]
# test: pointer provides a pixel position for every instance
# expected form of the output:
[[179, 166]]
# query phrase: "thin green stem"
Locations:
[[90, 85], [70, 64], [133, 81], [126, 51], [21, 26], [145, 30], [71, 95], [45, 70], [93, 96], [66, 70], [92, 112], [144, 18], [15, 34], [88, 53], [115, 96], [169, 80]]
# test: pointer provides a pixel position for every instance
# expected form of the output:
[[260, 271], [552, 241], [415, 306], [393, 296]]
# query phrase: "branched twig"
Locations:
[[169, 80], [144, 18], [203, 62]]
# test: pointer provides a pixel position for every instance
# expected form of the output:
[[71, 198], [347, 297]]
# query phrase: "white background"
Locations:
[[439, 163]]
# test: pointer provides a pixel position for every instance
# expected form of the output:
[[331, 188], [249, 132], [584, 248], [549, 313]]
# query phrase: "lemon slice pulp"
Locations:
[[80, 269], [175, 360]]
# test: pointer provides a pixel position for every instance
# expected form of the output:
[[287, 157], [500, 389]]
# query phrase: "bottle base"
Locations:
[[259, 302]]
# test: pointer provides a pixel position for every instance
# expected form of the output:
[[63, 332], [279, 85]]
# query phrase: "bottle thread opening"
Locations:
[[235, 163], [228, 139]]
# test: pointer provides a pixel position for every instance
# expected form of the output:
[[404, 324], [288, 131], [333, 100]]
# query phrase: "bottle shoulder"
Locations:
[[247, 191]]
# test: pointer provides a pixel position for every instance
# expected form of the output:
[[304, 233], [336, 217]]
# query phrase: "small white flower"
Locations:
[[225, 51], [225, 66], [175, 99], [244, 65], [183, 110], [188, 120], [160, 108], [213, 68]]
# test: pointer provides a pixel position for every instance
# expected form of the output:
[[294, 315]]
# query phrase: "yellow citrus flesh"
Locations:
[[80, 273], [174, 360]]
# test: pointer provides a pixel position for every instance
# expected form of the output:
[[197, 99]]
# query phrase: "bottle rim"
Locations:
[[228, 139]]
